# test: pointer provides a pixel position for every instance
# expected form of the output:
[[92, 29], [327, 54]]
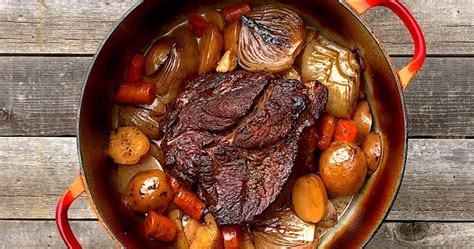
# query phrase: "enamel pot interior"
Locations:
[[147, 21]]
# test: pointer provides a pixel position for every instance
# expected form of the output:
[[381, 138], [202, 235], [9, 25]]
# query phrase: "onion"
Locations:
[[181, 64], [284, 229], [145, 120], [338, 69], [271, 38]]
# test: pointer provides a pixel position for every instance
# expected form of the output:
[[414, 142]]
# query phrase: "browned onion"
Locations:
[[145, 120], [271, 38], [284, 229]]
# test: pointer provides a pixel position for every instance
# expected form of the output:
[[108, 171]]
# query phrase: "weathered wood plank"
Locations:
[[44, 94], [78, 27], [438, 184], [41, 234]]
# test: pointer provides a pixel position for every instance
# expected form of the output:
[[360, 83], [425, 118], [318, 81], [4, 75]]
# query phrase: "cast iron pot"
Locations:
[[339, 19]]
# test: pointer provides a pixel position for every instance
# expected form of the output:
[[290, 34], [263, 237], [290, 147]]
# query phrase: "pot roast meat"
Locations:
[[241, 139]]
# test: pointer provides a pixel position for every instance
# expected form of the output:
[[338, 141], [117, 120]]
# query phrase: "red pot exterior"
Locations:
[[146, 21]]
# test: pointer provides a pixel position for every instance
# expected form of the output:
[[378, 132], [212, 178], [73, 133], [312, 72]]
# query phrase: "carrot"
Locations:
[[136, 93], [328, 123], [233, 12], [346, 130], [174, 184], [198, 23], [135, 70], [189, 202], [233, 237], [160, 227]]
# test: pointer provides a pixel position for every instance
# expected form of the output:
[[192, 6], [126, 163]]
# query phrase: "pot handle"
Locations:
[[406, 73], [62, 220]]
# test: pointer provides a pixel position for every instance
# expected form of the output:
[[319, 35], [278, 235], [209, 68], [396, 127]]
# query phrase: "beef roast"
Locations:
[[241, 139]]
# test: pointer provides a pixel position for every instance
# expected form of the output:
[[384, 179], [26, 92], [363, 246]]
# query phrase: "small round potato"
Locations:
[[127, 145], [343, 168], [372, 147], [363, 119], [309, 198], [148, 190]]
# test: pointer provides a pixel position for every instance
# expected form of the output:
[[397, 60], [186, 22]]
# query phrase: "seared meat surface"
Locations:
[[242, 138]]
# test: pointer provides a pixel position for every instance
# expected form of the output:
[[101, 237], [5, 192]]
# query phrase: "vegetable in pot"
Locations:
[[284, 229], [215, 17], [228, 62], [231, 36], [372, 147], [181, 64], [159, 227], [210, 48], [135, 69], [208, 235], [197, 23], [190, 227], [181, 241], [338, 69], [343, 168], [148, 190], [233, 237], [233, 12], [145, 120], [127, 145], [328, 125], [309, 198], [135, 93], [189, 202], [158, 54], [346, 130], [248, 243], [362, 119], [271, 38]]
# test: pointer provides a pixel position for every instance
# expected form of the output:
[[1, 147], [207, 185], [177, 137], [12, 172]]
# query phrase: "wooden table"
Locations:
[[46, 46]]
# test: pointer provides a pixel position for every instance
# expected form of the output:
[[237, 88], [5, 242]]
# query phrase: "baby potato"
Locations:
[[231, 36], [181, 241], [372, 147], [228, 62], [127, 145], [148, 190], [190, 227], [208, 235], [363, 119], [309, 198], [210, 48], [343, 168]]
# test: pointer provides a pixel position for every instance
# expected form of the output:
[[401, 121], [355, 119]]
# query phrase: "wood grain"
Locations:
[[77, 27], [42, 234], [43, 95], [438, 184]]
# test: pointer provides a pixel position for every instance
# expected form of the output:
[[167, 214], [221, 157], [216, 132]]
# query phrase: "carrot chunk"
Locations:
[[135, 70], [328, 124], [160, 227], [189, 202], [234, 12], [346, 130], [136, 93]]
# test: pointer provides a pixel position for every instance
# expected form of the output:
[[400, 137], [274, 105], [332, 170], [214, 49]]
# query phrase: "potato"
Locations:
[[148, 190], [372, 147], [343, 168], [309, 198], [208, 235], [363, 119], [190, 227], [248, 243], [231, 36], [216, 17], [228, 62], [233, 236], [210, 48], [181, 241], [158, 54], [127, 145]]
